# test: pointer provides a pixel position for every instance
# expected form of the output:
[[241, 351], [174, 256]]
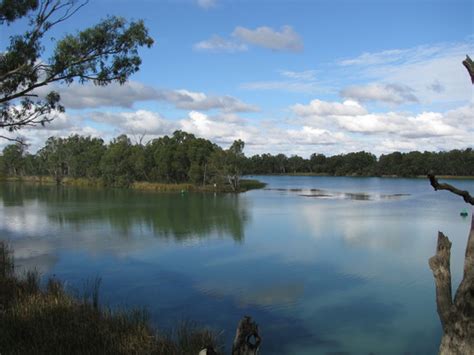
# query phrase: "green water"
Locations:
[[324, 265]]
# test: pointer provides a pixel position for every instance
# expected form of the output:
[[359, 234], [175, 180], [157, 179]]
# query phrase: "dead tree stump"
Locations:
[[457, 316], [247, 338]]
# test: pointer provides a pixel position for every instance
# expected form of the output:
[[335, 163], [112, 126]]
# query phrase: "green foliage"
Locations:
[[228, 165], [454, 162], [185, 159], [116, 164], [10, 10], [13, 160], [102, 54]]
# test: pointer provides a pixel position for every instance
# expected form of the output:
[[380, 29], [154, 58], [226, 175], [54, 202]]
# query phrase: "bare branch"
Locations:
[[469, 64], [437, 186], [19, 140]]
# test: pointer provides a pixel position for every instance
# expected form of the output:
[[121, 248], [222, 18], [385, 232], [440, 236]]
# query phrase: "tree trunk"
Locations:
[[457, 317]]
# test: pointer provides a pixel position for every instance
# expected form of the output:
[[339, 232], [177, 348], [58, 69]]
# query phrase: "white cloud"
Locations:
[[90, 96], [138, 122], [185, 99], [324, 127], [315, 136], [324, 108], [388, 93], [434, 72], [426, 124], [219, 44], [382, 131], [284, 40], [78, 96], [218, 130], [206, 4]]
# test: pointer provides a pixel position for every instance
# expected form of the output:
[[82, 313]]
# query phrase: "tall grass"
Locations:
[[47, 320]]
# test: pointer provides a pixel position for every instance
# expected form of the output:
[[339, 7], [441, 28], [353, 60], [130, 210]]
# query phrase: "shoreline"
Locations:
[[453, 177], [245, 184]]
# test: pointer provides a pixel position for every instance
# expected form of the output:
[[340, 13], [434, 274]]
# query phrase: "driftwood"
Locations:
[[247, 338]]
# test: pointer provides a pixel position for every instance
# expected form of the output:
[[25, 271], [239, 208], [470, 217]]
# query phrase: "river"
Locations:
[[325, 265]]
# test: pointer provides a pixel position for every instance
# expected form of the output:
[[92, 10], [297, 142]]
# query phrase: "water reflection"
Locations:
[[325, 194], [177, 216]]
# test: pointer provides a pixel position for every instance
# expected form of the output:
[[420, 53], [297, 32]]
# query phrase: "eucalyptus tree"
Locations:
[[102, 54]]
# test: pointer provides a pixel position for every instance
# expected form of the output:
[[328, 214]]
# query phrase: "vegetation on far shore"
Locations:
[[244, 184], [183, 161], [170, 160], [48, 320]]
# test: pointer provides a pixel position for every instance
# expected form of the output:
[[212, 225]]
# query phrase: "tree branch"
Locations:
[[469, 64], [437, 186], [18, 140]]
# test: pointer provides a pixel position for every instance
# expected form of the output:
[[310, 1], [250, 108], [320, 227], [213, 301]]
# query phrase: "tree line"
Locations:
[[178, 158], [454, 162], [185, 158]]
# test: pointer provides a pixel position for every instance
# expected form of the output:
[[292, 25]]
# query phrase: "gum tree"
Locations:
[[102, 54]]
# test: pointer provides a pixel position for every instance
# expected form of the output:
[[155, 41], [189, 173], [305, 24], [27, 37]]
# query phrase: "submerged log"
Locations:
[[457, 316], [247, 338]]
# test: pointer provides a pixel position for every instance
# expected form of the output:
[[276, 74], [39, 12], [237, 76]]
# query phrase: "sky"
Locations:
[[292, 77]]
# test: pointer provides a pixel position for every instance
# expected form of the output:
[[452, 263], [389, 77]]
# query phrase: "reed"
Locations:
[[48, 320]]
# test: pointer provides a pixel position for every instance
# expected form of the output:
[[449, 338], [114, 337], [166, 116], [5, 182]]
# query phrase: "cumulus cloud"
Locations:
[[90, 96], [219, 44], [185, 99], [78, 96], [285, 40], [320, 126], [389, 93], [426, 124], [451, 128], [315, 136], [325, 108], [138, 122]]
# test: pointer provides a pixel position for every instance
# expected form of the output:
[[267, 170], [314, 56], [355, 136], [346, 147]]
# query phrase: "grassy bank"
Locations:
[[245, 184], [47, 320]]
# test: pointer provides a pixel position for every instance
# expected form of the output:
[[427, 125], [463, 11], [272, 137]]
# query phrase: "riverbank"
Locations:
[[48, 320], [245, 184], [453, 177]]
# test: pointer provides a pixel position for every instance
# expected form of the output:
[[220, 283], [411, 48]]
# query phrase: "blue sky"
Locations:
[[296, 77]]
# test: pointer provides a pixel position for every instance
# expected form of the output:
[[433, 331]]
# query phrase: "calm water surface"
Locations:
[[325, 265]]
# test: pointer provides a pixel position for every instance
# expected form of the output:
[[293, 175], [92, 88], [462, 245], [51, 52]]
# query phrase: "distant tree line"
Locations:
[[182, 157], [454, 162]]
